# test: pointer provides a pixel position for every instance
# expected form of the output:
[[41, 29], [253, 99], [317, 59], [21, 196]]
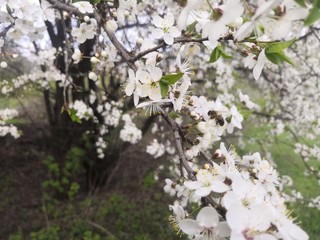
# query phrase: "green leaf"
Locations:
[[73, 115], [274, 52], [279, 46], [215, 55], [313, 16], [191, 27], [278, 57], [217, 52], [223, 53], [164, 88], [171, 79], [301, 3], [173, 114]]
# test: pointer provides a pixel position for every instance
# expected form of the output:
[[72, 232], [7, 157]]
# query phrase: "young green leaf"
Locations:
[[164, 87], [274, 52], [172, 78], [215, 55], [279, 46], [191, 27], [278, 57], [313, 16], [73, 115], [302, 3], [223, 53]]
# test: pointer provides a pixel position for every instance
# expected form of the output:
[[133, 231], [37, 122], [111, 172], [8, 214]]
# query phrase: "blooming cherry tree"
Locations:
[[122, 53]]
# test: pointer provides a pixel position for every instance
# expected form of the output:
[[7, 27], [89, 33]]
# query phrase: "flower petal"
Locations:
[[223, 230], [202, 192], [219, 187], [208, 217], [190, 226]]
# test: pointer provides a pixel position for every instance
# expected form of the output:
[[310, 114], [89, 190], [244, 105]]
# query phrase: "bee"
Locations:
[[219, 119]]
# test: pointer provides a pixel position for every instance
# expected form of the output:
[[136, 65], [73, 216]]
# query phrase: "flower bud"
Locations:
[[139, 41], [126, 13], [94, 60], [194, 115], [104, 53], [202, 127], [3, 64], [189, 154], [86, 18], [93, 76], [237, 22], [217, 154], [111, 25]]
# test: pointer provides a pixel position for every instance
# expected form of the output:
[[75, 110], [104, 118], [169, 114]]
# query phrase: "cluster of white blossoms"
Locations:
[[5, 129], [101, 147], [247, 188], [315, 203], [82, 111], [307, 152], [156, 149], [130, 132], [168, 59]]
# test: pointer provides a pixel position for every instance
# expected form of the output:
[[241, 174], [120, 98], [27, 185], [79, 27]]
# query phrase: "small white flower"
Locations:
[[206, 225], [77, 56], [111, 25], [249, 223], [84, 6], [169, 187], [93, 76], [150, 83], [3, 64], [207, 182], [236, 119], [84, 32], [165, 29], [257, 64], [244, 98]]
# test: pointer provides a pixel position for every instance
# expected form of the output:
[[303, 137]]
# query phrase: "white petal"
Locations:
[[168, 39], [136, 98], [265, 236], [131, 74], [232, 10], [223, 229], [297, 233], [193, 184], [202, 192], [156, 73], [217, 31], [237, 217], [190, 226], [244, 30], [143, 76], [130, 88], [174, 32], [219, 187], [259, 66], [208, 217], [169, 20], [157, 33], [157, 21], [260, 217], [281, 29]]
